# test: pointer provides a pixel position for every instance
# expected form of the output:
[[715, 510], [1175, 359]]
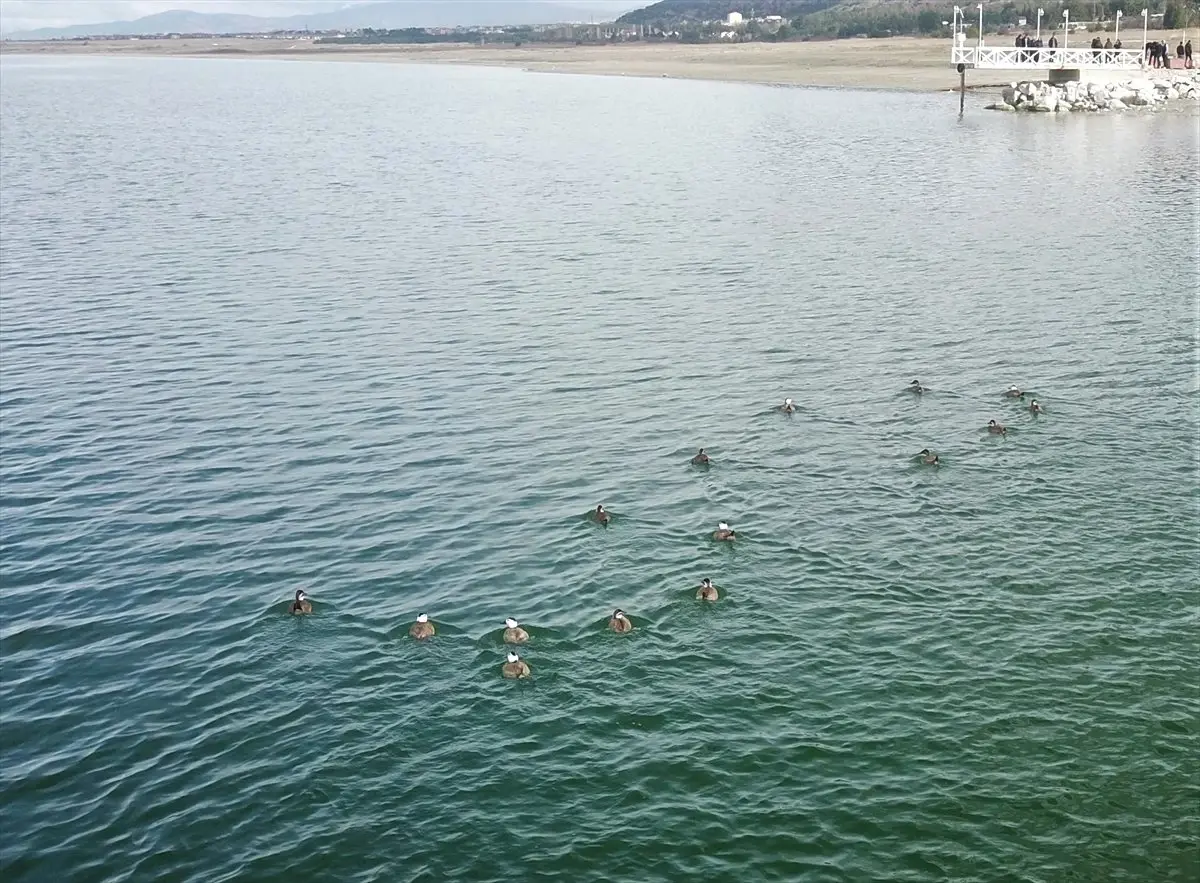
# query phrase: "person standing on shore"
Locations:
[[1187, 54], [1053, 44]]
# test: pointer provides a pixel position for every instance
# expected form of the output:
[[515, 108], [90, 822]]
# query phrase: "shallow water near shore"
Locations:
[[388, 333]]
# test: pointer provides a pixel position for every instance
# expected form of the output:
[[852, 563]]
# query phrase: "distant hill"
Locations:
[[388, 14], [674, 11]]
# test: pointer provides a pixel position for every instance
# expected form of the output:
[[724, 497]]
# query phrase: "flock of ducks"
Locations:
[[994, 427], [515, 667]]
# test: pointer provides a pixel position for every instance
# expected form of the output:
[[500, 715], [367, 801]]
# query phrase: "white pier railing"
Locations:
[[1042, 58]]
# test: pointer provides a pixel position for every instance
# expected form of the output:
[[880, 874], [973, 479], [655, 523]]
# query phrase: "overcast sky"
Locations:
[[24, 15]]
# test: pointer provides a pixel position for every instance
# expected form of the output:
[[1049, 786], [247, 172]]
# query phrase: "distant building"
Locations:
[[734, 19]]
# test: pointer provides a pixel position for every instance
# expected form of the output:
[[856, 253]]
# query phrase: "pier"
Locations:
[[1064, 64]]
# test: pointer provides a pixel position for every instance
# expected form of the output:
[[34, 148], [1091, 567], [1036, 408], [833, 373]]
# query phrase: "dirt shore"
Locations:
[[900, 63]]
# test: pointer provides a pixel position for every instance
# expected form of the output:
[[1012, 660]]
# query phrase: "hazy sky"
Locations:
[[23, 15]]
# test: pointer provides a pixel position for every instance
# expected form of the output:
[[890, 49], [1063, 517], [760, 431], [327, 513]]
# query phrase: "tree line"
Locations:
[[700, 20]]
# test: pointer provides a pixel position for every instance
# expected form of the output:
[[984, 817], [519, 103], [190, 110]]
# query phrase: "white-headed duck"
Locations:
[[788, 406], [724, 532], [916, 387], [1014, 392], [700, 459], [515, 667], [513, 633], [1035, 408], [619, 622], [996, 428], [929, 458], [301, 604], [601, 516], [707, 591], [422, 628]]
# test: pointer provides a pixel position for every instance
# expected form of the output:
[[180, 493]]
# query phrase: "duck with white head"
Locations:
[[422, 628], [724, 533], [619, 622], [515, 667], [513, 633]]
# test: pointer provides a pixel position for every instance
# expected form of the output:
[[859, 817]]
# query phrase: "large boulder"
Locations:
[[1001, 106], [1171, 93], [1046, 102], [1116, 104], [1009, 95]]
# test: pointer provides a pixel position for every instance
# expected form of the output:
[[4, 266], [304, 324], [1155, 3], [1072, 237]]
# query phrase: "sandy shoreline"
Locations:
[[897, 63]]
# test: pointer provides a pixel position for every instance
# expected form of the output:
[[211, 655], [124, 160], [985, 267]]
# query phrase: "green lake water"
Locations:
[[387, 333]]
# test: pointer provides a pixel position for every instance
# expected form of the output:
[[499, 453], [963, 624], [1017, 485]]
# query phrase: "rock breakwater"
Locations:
[[1043, 97]]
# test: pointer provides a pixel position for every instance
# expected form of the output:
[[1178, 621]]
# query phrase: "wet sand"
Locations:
[[898, 63]]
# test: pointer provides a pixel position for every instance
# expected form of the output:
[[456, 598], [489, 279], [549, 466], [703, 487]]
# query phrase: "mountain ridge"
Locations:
[[386, 14]]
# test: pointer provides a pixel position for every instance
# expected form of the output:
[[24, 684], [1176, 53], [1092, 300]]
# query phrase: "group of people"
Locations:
[[1024, 41], [1099, 49], [1158, 54], [515, 667]]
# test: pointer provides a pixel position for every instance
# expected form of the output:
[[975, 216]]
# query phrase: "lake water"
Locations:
[[388, 333]]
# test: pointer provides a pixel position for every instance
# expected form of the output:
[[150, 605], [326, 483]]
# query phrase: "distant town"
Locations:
[[734, 28]]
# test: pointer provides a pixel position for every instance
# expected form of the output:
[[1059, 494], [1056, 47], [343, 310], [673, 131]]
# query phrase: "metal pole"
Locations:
[[1066, 26], [1117, 30], [1039, 25], [1145, 26], [962, 91], [980, 24]]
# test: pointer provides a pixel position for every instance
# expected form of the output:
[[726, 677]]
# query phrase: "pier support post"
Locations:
[[1060, 75], [962, 88]]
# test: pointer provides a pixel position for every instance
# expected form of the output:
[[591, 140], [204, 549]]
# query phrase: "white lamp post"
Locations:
[[1117, 30], [1145, 27], [980, 8], [1066, 26], [1041, 12]]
